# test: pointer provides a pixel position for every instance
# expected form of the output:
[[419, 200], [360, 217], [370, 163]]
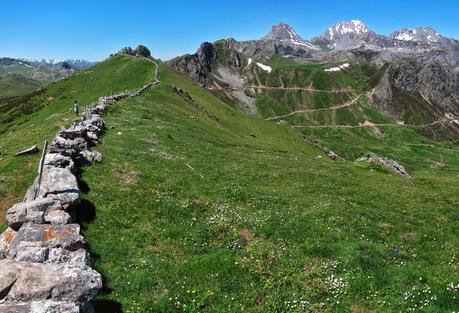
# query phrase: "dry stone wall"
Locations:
[[44, 260]]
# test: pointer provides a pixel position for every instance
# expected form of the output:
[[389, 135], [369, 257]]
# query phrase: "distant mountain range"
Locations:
[[22, 76], [75, 63], [354, 39], [413, 73]]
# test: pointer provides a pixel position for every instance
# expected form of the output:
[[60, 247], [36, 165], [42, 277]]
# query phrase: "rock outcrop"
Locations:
[[419, 93], [387, 163], [44, 260], [141, 51]]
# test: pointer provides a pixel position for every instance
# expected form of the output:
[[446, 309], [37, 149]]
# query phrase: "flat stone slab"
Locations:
[[28, 151], [24, 281]]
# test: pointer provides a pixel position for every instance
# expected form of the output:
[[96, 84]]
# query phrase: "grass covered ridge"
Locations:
[[201, 208], [204, 209], [38, 116]]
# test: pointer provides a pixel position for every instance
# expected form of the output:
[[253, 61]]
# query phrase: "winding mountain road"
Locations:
[[336, 107]]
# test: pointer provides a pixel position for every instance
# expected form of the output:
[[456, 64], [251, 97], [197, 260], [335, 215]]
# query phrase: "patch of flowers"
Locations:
[[419, 298]]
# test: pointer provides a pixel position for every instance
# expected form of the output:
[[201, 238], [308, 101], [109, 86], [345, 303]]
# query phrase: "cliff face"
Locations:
[[209, 56], [199, 65], [418, 92]]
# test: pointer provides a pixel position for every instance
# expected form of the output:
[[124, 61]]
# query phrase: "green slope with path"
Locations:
[[204, 209], [201, 208]]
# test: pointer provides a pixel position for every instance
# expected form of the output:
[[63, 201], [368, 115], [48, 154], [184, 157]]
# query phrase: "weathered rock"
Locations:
[[127, 50], [93, 123], [68, 147], [59, 160], [60, 184], [91, 156], [58, 217], [334, 156], [32, 211], [5, 240], [92, 137], [24, 281], [28, 151], [37, 236], [389, 164], [31, 252], [8, 277], [47, 306], [418, 93], [199, 65], [73, 132], [143, 51]]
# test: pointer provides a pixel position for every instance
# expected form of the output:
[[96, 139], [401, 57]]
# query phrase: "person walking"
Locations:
[[75, 107]]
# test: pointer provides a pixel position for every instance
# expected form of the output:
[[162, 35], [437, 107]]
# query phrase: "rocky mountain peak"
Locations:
[[423, 34], [346, 28], [282, 31], [285, 33]]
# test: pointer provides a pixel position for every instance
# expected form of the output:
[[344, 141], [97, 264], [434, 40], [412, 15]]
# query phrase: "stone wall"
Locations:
[[44, 260]]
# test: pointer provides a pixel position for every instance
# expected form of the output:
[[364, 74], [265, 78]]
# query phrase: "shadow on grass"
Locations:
[[85, 212], [106, 306]]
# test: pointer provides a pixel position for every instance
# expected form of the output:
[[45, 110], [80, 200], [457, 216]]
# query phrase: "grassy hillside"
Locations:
[[333, 107], [202, 208], [12, 85], [35, 117]]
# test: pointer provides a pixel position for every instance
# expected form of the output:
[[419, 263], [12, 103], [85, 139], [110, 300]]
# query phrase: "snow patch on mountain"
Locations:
[[338, 68], [264, 67], [348, 27]]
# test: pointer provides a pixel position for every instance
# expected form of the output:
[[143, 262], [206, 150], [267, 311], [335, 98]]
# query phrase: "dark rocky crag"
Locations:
[[419, 93]]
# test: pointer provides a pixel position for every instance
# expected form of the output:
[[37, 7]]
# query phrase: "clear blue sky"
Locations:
[[94, 29]]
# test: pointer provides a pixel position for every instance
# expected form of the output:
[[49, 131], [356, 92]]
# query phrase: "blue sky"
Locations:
[[94, 29]]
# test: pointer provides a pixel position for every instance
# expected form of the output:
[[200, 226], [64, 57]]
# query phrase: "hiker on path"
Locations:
[[75, 107]]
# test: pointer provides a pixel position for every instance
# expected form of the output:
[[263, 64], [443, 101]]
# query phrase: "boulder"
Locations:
[[28, 151], [47, 306], [32, 211], [24, 281], [60, 184]]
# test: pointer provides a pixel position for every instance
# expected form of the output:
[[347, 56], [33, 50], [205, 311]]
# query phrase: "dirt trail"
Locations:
[[370, 124], [291, 88], [336, 107]]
